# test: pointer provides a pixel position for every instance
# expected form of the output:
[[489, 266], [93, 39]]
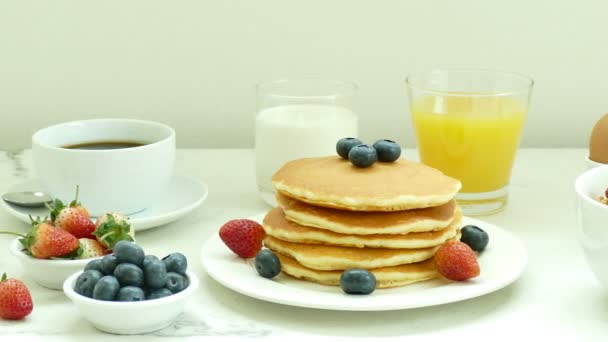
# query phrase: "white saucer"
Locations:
[[184, 195], [501, 263]]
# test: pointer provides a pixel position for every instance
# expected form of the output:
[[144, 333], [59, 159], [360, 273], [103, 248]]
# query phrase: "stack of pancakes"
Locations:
[[389, 218]]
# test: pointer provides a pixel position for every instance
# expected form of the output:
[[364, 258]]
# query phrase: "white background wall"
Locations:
[[193, 64]]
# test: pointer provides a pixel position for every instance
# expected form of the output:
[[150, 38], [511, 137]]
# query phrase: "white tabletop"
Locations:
[[556, 296]]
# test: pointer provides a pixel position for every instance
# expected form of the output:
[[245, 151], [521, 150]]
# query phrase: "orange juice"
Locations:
[[469, 137]]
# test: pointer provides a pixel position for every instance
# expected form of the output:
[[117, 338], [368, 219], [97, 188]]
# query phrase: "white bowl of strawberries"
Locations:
[[54, 249]]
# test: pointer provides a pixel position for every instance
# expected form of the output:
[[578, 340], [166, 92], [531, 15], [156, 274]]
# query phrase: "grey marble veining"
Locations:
[[17, 164], [188, 325]]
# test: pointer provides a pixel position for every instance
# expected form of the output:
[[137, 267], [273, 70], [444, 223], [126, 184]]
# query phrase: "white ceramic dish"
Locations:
[[45, 272], [184, 195], [128, 318], [501, 264], [592, 216]]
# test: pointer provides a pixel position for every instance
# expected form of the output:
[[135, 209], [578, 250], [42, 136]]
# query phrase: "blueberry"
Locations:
[[106, 288], [149, 258], [176, 282], [362, 155], [85, 283], [129, 275], [344, 146], [267, 264], [127, 251], [159, 293], [95, 265], [130, 294], [155, 274], [475, 237], [176, 262], [388, 150], [358, 281], [108, 263]]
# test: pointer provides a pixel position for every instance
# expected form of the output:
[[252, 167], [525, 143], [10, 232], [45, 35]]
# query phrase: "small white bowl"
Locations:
[[593, 220], [128, 318], [592, 163], [47, 272]]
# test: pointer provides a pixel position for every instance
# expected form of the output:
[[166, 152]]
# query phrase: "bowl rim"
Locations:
[[583, 178], [16, 250], [68, 289]]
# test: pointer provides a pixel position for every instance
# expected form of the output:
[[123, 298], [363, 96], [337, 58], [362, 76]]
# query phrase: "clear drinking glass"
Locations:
[[468, 124], [299, 118]]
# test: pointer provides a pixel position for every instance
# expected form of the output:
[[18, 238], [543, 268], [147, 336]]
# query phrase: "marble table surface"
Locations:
[[557, 296]]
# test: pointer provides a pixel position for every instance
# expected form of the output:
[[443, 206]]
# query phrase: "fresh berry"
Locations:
[[109, 263], [127, 251], [90, 249], [475, 237], [111, 228], [149, 258], [176, 282], [86, 281], [155, 274], [387, 150], [243, 237], [357, 281], [267, 264], [106, 288], [129, 275], [160, 293], [176, 262], [46, 241], [15, 299], [455, 260], [95, 265], [74, 218], [362, 156], [130, 294], [344, 146]]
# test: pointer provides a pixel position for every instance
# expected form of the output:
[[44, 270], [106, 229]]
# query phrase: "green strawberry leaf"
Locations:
[[110, 232], [3, 277]]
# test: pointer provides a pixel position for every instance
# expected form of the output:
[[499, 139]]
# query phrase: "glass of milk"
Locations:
[[297, 119]]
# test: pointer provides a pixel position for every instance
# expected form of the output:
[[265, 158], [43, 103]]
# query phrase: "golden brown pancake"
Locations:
[[327, 257], [334, 182], [385, 277], [368, 222], [276, 224]]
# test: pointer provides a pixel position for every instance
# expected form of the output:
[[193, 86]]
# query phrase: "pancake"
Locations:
[[368, 222], [276, 224], [327, 257], [334, 182], [385, 277]]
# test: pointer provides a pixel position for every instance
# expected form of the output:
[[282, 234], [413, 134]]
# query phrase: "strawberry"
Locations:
[[455, 260], [111, 228], [46, 241], [74, 218], [243, 237], [15, 299], [90, 249]]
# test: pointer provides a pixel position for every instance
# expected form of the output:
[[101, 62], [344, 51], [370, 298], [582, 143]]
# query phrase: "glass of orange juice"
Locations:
[[468, 124]]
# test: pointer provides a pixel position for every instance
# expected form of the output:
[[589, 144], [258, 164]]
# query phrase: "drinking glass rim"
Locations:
[[412, 82], [346, 84]]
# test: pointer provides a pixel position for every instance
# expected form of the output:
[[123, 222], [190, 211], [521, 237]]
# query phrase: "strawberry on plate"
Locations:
[[15, 299], [46, 241], [243, 237], [74, 218], [455, 260], [111, 228]]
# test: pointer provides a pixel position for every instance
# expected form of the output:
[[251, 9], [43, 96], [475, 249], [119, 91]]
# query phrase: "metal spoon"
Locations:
[[28, 199]]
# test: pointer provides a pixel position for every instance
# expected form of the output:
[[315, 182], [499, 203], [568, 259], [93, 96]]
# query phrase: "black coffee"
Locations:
[[104, 145]]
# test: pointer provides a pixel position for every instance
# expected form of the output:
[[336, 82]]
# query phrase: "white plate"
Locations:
[[184, 195], [501, 263]]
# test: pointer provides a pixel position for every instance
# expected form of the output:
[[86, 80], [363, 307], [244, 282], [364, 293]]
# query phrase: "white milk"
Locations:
[[295, 131]]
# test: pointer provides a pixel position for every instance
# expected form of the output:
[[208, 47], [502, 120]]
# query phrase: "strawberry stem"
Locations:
[[3, 277], [12, 233]]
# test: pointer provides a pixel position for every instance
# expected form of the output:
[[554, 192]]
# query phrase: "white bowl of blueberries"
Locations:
[[128, 292]]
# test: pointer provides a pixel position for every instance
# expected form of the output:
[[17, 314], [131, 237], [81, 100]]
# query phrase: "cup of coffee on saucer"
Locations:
[[119, 165]]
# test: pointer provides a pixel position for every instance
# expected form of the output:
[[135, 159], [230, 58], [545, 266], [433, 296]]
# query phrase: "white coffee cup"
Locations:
[[126, 180]]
